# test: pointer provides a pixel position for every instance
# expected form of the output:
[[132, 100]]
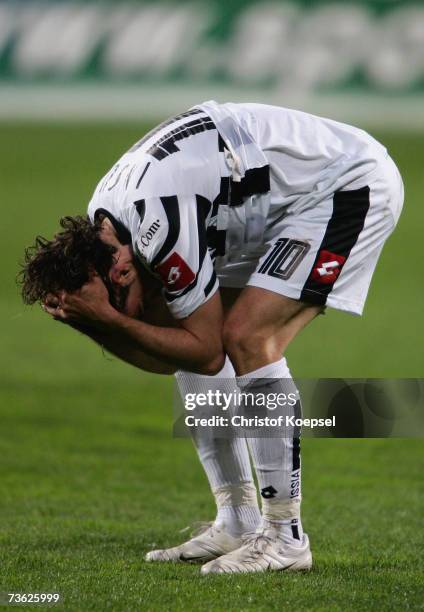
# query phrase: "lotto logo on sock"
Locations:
[[268, 492]]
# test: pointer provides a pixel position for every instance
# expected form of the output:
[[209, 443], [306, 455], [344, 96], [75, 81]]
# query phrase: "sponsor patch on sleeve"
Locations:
[[175, 273]]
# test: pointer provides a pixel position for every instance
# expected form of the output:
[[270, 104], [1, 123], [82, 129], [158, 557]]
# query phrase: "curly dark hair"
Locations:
[[65, 262]]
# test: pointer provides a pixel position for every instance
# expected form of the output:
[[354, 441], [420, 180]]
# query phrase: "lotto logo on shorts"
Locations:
[[327, 267]]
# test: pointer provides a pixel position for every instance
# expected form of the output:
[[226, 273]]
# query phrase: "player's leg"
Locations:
[[255, 344], [227, 466]]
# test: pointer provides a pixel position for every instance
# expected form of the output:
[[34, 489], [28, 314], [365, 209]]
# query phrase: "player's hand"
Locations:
[[90, 304]]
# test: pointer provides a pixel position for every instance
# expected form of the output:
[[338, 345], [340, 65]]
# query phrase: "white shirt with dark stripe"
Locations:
[[205, 184]]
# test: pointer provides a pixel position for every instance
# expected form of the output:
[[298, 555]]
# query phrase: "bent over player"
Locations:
[[274, 214]]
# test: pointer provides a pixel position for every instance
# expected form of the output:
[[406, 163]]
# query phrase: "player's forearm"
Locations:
[[171, 345], [126, 351]]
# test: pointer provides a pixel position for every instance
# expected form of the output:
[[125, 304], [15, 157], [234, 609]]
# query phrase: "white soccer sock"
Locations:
[[277, 460], [238, 508], [225, 461]]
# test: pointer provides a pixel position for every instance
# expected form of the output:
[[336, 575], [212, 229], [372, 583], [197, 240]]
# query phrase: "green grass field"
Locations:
[[91, 477]]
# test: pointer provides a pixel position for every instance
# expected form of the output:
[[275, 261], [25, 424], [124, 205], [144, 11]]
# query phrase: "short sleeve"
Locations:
[[171, 242]]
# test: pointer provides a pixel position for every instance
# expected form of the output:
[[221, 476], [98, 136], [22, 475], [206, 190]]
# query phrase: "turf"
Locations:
[[91, 476]]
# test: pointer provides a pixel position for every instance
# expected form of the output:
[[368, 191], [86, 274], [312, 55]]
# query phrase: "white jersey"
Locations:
[[200, 190]]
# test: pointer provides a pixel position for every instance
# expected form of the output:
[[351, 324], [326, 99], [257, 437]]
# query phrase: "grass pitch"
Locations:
[[91, 476]]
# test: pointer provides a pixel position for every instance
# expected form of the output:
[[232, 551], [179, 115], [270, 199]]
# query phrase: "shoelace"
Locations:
[[257, 542]]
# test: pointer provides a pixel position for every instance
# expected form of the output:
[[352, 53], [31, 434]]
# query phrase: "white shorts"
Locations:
[[326, 254]]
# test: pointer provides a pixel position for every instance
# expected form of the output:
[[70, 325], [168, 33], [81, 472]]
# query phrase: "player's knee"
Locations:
[[243, 341]]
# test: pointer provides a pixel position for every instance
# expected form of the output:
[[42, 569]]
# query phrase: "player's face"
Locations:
[[133, 306], [125, 280], [126, 284]]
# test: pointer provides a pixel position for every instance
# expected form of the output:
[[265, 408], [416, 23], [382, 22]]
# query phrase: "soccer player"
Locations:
[[274, 214]]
